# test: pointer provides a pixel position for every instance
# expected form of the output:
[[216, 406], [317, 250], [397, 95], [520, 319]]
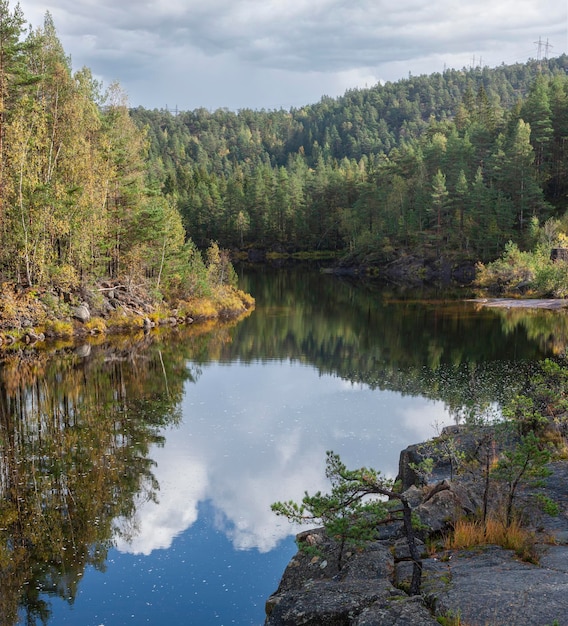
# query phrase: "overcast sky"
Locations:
[[287, 53]]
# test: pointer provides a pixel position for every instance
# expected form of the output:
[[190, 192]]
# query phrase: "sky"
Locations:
[[272, 54]]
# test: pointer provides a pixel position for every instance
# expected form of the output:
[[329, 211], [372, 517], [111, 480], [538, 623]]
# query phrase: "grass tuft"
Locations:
[[470, 533]]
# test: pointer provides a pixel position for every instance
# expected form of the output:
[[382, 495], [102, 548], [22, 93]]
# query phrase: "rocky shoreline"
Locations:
[[550, 304], [481, 586], [28, 317]]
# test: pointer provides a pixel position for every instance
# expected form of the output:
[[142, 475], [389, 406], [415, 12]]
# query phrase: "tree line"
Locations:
[[76, 203], [456, 163]]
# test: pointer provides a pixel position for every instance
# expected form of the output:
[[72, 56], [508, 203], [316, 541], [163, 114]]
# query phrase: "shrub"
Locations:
[[95, 325], [59, 328], [202, 308]]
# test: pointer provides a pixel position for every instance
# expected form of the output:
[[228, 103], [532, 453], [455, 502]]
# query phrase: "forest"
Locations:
[[457, 163], [76, 202]]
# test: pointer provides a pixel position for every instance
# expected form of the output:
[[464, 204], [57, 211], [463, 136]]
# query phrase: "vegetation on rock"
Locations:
[[354, 509], [502, 466]]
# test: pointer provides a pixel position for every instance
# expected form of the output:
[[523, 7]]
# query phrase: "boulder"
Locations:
[[83, 351], [82, 313], [32, 337], [448, 503]]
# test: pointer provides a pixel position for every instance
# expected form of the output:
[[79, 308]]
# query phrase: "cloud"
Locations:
[[156, 524], [219, 53]]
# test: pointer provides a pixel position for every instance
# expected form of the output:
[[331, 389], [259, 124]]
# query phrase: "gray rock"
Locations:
[[33, 337], [83, 351], [326, 602], [491, 586], [82, 313], [484, 585], [399, 611], [439, 512], [375, 562], [401, 551], [414, 495]]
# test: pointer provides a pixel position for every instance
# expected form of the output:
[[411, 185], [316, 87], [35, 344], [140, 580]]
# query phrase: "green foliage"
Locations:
[[349, 513], [424, 468], [513, 270], [525, 462], [219, 268], [446, 448], [523, 411], [79, 199], [379, 170], [547, 504], [354, 508], [450, 618], [526, 272]]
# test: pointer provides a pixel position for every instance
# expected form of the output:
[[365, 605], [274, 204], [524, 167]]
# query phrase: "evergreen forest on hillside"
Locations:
[[457, 163]]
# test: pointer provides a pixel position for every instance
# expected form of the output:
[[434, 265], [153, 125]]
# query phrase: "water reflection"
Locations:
[[265, 437], [126, 444], [75, 435]]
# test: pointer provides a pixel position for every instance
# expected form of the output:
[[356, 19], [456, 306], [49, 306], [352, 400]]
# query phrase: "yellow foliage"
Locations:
[[59, 328], [201, 308], [229, 301], [95, 325], [471, 533]]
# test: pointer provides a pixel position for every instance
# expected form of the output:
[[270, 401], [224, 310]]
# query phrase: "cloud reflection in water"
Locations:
[[255, 433]]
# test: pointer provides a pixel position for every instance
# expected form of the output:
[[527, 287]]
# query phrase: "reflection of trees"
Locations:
[[547, 329], [74, 439], [438, 348], [76, 428]]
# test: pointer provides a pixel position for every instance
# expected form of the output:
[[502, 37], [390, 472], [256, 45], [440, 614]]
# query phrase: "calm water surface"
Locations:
[[137, 476]]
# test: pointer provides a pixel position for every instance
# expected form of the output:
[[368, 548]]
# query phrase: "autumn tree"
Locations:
[[12, 75]]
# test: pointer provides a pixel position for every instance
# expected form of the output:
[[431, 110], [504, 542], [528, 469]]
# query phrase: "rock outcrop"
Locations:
[[482, 586], [314, 590]]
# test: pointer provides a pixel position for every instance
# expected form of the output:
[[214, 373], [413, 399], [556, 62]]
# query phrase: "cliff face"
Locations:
[[482, 585]]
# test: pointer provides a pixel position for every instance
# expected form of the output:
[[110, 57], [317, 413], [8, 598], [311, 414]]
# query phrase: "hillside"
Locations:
[[457, 163], [79, 218]]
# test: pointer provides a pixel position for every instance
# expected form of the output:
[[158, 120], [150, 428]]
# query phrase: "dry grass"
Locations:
[[556, 440], [471, 533]]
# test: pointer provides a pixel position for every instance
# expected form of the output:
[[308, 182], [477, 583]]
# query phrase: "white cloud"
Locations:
[[259, 53], [156, 524]]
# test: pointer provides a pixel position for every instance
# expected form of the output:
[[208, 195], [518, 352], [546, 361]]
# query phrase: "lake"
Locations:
[[137, 473]]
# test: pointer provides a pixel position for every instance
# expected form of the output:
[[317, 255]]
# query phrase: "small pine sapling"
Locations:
[[354, 508]]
